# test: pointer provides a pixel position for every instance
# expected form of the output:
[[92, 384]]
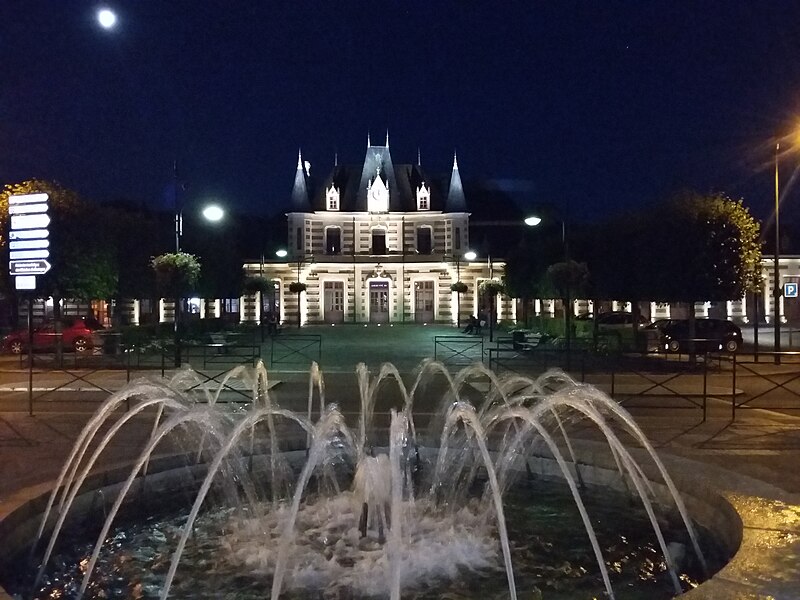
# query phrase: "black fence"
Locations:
[[295, 349], [533, 361], [458, 350], [772, 380]]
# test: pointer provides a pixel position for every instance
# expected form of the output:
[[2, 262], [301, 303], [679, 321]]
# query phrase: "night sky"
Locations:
[[595, 106]]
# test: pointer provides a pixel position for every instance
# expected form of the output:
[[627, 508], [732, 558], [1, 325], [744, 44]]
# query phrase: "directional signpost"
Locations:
[[28, 246], [28, 251]]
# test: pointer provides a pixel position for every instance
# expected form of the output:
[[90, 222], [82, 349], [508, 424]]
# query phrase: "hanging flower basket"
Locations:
[[297, 287], [492, 287], [176, 272], [459, 287]]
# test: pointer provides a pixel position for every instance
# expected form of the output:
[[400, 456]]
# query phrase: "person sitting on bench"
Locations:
[[473, 326]]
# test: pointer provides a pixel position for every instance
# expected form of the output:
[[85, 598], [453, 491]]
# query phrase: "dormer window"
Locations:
[[332, 198], [423, 197]]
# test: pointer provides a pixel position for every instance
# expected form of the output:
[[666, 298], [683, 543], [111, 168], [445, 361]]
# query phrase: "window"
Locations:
[[333, 240], [146, 306], [457, 241], [230, 305], [424, 240], [299, 238], [423, 198], [332, 198], [379, 241]]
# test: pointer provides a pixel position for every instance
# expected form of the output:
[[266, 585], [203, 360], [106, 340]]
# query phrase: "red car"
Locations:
[[76, 334]]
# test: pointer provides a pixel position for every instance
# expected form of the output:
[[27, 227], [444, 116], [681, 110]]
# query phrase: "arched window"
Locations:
[[379, 241], [333, 240], [424, 240]]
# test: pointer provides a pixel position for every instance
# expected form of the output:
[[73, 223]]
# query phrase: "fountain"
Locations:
[[307, 506]]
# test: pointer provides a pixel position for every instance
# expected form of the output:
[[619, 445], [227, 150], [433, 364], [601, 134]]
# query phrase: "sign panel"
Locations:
[[29, 234], [28, 254], [24, 209], [27, 198], [28, 244], [25, 282], [30, 221], [29, 267], [790, 289]]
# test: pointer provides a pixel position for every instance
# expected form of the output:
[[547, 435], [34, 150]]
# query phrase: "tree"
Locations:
[[709, 250], [569, 279], [709, 245], [83, 256]]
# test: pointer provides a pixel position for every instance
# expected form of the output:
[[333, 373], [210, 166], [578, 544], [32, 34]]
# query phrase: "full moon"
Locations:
[[106, 18]]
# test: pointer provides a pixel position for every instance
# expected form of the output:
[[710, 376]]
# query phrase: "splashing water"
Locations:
[[350, 518]]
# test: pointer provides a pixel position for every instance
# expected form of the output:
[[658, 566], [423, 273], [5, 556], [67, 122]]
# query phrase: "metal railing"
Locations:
[[296, 348], [773, 385], [458, 350], [662, 384]]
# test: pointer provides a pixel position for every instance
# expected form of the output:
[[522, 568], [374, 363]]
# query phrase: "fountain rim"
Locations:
[[24, 508]]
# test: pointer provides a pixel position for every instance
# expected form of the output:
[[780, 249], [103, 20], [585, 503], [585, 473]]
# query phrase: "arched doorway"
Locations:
[[423, 301], [378, 290]]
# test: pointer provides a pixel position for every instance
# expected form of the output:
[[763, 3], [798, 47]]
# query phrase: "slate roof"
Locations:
[[351, 181]]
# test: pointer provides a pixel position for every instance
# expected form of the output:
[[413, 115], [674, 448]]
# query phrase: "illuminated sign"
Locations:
[[790, 290], [28, 239]]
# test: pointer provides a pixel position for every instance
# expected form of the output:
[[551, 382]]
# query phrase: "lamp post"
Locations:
[[211, 212], [776, 290], [530, 221], [469, 256], [299, 287], [533, 221]]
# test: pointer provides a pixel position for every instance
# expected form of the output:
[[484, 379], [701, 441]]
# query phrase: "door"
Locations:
[[333, 301], [378, 301], [271, 301], [423, 301]]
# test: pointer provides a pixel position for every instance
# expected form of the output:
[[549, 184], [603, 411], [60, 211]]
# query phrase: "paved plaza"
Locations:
[[760, 444]]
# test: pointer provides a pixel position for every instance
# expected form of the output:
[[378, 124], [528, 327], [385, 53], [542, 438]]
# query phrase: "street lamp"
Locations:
[[529, 221], [533, 221], [296, 286], [469, 256], [776, 290], [210, 212]]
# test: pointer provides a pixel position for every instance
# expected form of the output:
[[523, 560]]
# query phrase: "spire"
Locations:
[[419, 158], [368, 142], [387, 137], [335, 159], [300, 201], [455, 195]]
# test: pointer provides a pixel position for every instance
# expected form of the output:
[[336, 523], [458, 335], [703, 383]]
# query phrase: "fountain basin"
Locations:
[[169, 475]]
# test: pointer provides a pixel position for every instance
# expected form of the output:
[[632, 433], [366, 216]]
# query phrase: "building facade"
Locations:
[[381, 242]]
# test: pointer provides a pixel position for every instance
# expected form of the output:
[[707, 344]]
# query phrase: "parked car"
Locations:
[[711, 335], [77, 334]]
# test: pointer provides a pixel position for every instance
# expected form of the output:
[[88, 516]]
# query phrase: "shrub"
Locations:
[[459, 287], [297, 286]]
